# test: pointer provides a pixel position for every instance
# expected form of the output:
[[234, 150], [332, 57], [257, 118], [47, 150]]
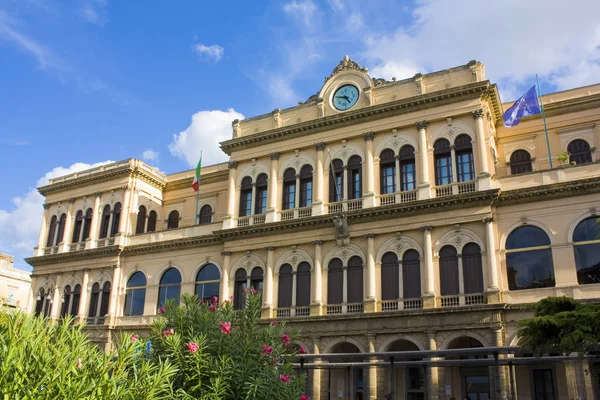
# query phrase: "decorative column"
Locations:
[[484, 173], [318, 207], [267, 306], [453, 165], [369, 196], [398, 174], [114, 295], [493, 290], [346, 191], [372, 371], [92, 241], [294, 280], [429, 296], [228, 221], [272, 199], [83, 306], [122, 232], [43, 237], [56, 298], [297, 194], [424, 185], [224, 289], [316, 373], [67, 235], [316, 301], [461, 281], [344, 288], [432, 377], [498, 374], [371, 302]]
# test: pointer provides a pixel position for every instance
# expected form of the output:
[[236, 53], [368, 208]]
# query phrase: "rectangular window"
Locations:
[[306, 193], [245, 203], [289, 198], [443, 170], [336, 188], [356, 189], [407, 177], [464, 165], [543, 384], [261, 201], [388, 179]]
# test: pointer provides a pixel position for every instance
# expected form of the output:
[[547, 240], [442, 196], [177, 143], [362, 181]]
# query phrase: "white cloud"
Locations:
[[337, 5], [19, 226], [207, 129], [214, 52], [514, 39], [150, 155], [303, 8], [93, 11]]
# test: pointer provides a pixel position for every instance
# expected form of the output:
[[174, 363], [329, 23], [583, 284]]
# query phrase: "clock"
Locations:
[[345, 97]]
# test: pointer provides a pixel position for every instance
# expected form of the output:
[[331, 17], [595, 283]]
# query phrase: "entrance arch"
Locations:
[[347, 383], [468, 381]]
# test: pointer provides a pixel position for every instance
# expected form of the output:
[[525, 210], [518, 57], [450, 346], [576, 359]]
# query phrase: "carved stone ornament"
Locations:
[[341, 227], [381, 82], [369, 136], [274, 156], [422, 125], [346, 65], [233, 164], [320, 146], [478, 113]]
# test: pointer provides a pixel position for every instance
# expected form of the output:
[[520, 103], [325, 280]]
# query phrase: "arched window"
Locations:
[[241, 283], [66, 301], [579, 152], [306, 176], [387, 172], [289, 189], [77, 226], [105, 300], [411, 275], [390, 277], [169, 286], [449, 285], [284, 296], [355, 280], [141, 220], [205, 216], [246, 197], [408, 173], [529, 262], [105, 222], [87, 224], [256, 279], [61, 229], [260, 206], [51, 232], [520, 162], [135, 295], [173, 220], [116, 220], [336, 181], [152, 217], [443, 162], [94, 298], [207, 282], [354, 178], [335, 282], [76, 296], [464, 158], [472, 268], [586, 244], [39, 302], [303, 285]]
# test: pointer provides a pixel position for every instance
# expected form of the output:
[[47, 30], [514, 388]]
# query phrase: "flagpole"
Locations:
[[544, 119], [198, 194], [337, 189]]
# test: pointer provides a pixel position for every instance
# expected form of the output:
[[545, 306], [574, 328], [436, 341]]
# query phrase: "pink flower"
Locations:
[[215, 299], [134, 337], [254, 291], [304, 397], [212, 308], [161, 310], [275, 323], [301, 350], [267, 349], [225, 327], [285, 339], [193, 347], [168, 332], [79, 363], [284, 378]]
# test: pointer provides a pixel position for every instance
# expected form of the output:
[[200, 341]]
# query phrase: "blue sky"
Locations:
[[89, 81]]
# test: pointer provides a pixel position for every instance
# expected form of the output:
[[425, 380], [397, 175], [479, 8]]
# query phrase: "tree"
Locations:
[[44, 360], [564, 325], [221, 353]]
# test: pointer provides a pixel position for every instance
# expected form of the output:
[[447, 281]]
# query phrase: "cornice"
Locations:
[[186, 183], [550, 192], [178, 244], [74, 255], [474, 90]]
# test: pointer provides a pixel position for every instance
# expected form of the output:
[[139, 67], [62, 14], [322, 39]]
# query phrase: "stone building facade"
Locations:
[[14, 284], [377, 216]]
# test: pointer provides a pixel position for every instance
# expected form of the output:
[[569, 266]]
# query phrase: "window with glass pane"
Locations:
[[116, 219], [335, 282], [355, 280], [408, 177], [39, 304], [449, 285], [87, 223], [239, 296], [246, 197], [586, 245], [135, 295], [52, 232], [443, 162], [336, 181], [75, 301], [152, 217], [105, 222], [205, 216], [169, 287], [141, 220], [464, 158], [472, 268], [66, 299], [529, 263], [389, 277], [355, 177], [289, 189], [387, 172], [579, 152], [520, 162], [77, 227], [207, 282], [303, 285], [94, 300], [173, 220], [284, 295], [306, 176], [256, 279], [411, 274], [105, 299], [260, 207], [61, 228]]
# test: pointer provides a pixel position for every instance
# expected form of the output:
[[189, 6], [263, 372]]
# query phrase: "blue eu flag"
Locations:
[[526, 105]]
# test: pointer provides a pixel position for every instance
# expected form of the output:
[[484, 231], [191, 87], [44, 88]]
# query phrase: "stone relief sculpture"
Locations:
[[342, 235]]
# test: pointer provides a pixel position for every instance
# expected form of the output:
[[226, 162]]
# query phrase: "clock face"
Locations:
[[345, 97]]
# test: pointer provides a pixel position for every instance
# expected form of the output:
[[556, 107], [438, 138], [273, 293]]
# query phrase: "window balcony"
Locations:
[[455, 188], [463, 300], [51, 250], [399, 305], [256, 219], [77, 246], [295, 213], [345, 308], [293, 312], [345, 205], [397, 198], [106, 242]]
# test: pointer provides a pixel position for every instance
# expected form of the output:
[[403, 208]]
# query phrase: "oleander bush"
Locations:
[[221, 353]]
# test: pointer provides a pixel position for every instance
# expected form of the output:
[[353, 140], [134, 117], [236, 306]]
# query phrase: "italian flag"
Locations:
[[196, 183]]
